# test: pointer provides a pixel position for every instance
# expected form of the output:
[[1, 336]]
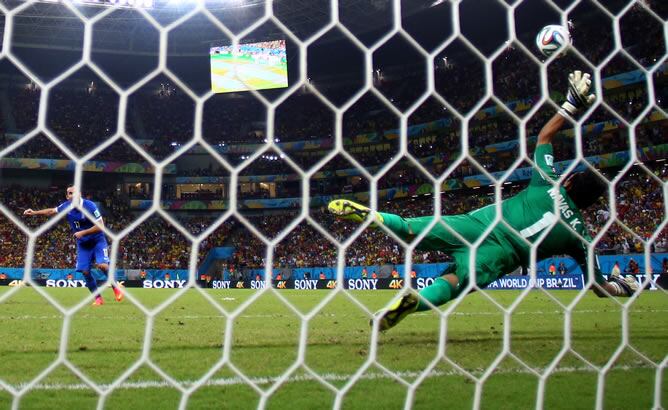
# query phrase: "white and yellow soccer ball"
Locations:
[[552, 39]]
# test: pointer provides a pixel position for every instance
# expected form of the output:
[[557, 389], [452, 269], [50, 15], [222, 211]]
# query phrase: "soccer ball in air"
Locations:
[[552, 38]]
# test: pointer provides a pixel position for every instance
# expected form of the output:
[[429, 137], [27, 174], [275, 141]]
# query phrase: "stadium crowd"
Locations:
[[160, 118], [156, 244], [153, 244]]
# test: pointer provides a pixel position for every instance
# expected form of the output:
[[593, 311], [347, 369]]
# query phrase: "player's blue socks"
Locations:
[[91, 283], [438, 293]]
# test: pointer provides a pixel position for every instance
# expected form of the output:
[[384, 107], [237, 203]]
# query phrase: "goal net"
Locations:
[[211, 135]]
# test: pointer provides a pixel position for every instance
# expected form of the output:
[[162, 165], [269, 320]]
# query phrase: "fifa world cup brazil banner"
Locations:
[[509, 282]]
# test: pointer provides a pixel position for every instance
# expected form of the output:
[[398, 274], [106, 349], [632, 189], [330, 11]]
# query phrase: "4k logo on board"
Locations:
[[240, 284], [397, 284], [281, 285], [16, 282], [331, 284]]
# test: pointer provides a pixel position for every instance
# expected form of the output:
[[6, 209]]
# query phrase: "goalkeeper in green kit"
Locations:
[[532, 211]]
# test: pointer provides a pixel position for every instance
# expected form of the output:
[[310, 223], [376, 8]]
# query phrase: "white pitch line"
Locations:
[[274, 315], [330, 377]]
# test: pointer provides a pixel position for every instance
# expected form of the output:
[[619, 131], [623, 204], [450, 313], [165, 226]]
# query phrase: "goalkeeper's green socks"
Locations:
[[396, 224], [438, 293]]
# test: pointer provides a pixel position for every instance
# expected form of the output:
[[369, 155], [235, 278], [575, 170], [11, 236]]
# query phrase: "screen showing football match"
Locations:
[[257, 66]]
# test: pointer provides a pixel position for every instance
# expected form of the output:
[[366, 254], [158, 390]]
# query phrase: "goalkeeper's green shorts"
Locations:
[[490, 264]]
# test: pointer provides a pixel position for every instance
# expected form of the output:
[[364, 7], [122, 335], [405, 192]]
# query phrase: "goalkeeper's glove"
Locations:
[[625, 286], [578, 93]]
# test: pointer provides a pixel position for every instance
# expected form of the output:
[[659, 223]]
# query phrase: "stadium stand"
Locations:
[[160, 121]]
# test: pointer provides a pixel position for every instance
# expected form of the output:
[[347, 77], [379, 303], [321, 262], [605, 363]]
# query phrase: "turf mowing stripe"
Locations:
[[231, 381]]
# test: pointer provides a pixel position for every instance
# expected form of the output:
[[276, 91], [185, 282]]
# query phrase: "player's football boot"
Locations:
[[352, 211], [397, 312], [118, 294], [98, 301]]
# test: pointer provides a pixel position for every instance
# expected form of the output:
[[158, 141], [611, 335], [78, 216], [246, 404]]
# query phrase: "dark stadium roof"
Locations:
[[48, 37], [48, 24], [45, 24]]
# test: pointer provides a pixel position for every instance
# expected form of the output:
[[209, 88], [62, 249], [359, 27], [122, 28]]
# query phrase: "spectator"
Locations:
[[632, 267], [562, 268]]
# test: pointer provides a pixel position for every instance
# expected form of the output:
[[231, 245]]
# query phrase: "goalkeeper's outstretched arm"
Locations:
[[550, 129], [614, 286], [578, 97]]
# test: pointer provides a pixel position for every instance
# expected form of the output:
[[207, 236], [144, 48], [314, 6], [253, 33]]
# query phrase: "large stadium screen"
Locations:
[[257, 66]]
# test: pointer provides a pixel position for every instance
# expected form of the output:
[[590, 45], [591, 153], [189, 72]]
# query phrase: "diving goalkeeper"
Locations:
[[529, 213]]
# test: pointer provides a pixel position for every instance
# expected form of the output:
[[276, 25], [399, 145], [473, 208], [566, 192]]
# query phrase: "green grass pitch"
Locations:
[[188, 338]]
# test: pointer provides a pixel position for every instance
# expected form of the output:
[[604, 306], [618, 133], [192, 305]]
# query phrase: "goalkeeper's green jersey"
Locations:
[[529, 213], [532, 211]]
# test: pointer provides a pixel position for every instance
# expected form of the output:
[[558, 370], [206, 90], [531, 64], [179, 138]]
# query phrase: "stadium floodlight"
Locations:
[[143, 4], [179, 3]]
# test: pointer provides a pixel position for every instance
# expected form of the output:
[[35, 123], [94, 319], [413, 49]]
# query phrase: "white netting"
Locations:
[[463, 116]]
